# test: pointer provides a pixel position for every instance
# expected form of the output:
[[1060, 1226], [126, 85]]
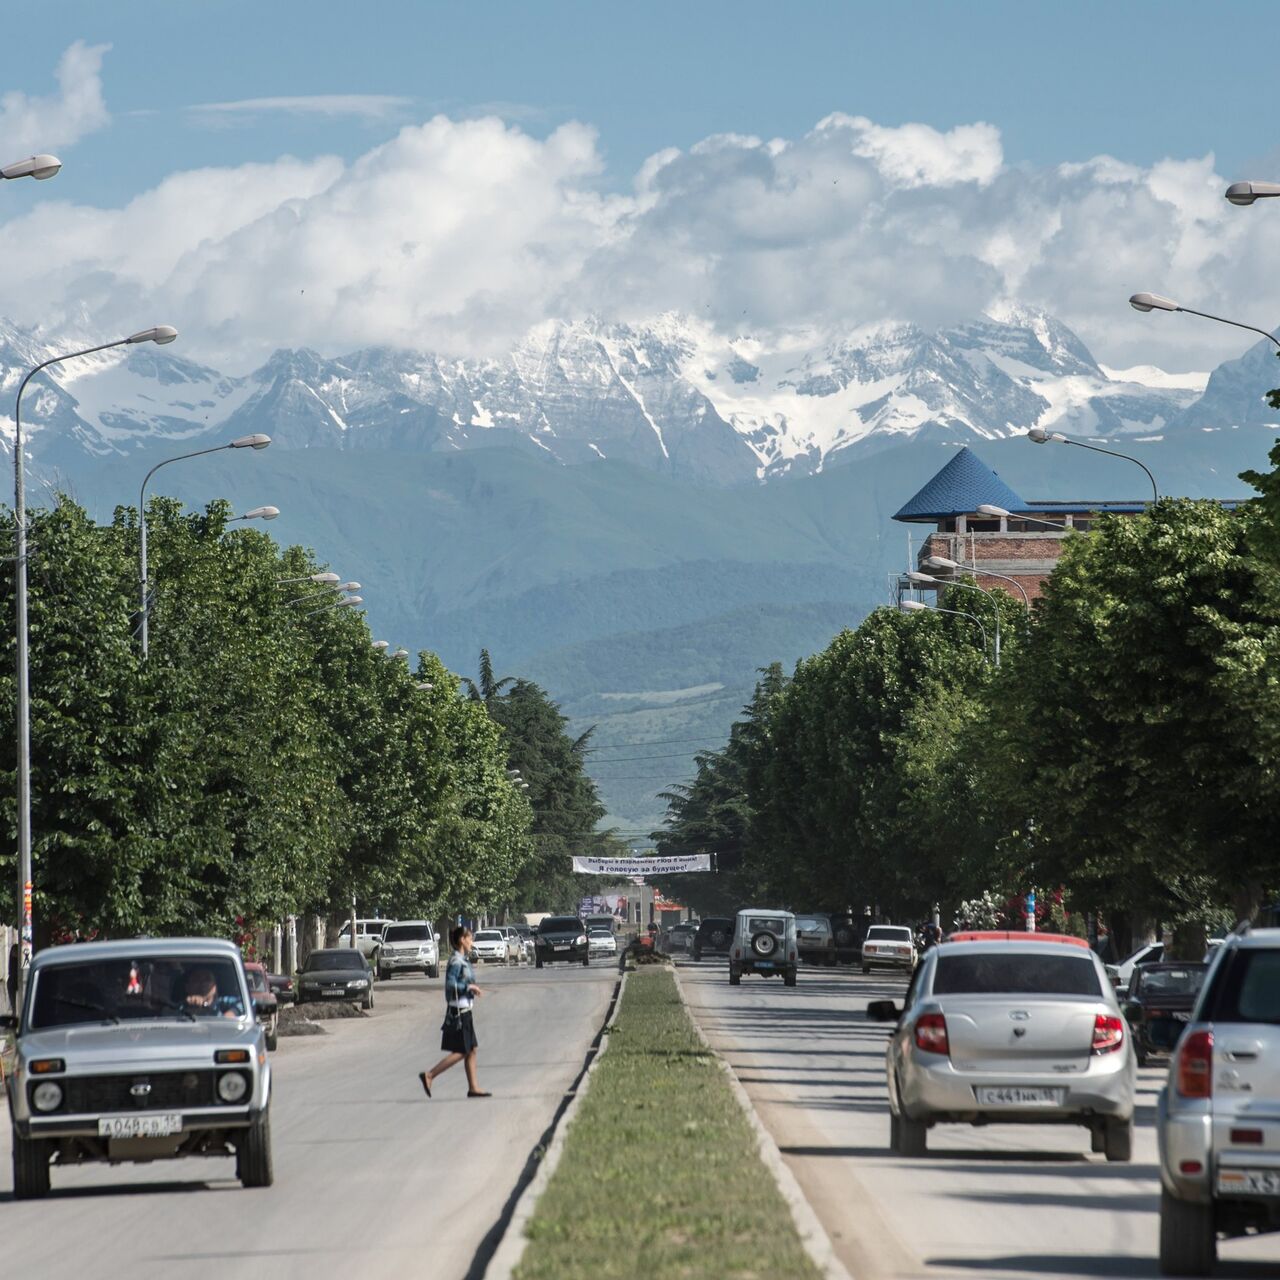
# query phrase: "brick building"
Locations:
[[1022, 545]]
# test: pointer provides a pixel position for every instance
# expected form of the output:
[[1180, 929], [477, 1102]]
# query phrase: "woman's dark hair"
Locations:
[[456, 934]]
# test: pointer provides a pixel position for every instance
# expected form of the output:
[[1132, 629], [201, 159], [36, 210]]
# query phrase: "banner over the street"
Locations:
[[642, 866]]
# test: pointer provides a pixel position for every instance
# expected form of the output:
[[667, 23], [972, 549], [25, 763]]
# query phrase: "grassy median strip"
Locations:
[[660, 1175]]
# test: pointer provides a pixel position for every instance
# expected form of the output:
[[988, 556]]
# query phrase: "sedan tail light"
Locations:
[[1108, 1033], [1195, 1065], [931, 1034]]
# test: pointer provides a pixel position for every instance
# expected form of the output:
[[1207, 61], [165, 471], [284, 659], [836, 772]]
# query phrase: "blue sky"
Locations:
[[1063, 82], [960, 166]]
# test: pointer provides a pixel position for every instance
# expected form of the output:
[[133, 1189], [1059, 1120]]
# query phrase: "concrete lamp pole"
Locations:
[[1040, 436], [257, 441], [160, 334]]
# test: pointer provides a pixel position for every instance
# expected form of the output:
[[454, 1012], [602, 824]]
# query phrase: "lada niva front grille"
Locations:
[[138, 1091]]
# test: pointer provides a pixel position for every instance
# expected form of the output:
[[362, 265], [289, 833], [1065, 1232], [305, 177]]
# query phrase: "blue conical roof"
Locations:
[[958, 489]]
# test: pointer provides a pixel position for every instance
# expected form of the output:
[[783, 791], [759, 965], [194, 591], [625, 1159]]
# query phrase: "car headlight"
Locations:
[[47, 1096], [582, 937], [358, 984], [232, 1086]]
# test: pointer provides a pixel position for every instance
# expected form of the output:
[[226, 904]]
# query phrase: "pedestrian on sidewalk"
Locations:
[[458, 1034]]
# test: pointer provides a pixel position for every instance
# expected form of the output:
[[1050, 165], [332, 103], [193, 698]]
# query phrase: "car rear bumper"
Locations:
[[937, 1091], [889, 962]]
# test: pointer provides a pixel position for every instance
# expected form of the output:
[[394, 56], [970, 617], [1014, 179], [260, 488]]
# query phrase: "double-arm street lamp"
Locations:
[[927, 580], [160, 334], [256, 441]]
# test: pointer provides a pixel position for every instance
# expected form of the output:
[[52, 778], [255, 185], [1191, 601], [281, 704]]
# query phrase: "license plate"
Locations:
[[1249, 1182], [139, 1126], [335, 993], [560, 946], [764, 964], [1008, 1096]]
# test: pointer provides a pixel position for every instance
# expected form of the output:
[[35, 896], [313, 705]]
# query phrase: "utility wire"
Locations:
[[657, 742]]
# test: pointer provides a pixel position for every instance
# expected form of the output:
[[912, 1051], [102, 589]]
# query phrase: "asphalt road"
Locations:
[[371, 1177], [1000, 1203]]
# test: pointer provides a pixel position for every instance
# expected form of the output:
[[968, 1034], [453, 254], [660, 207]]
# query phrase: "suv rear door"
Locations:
[[1243, 1007]]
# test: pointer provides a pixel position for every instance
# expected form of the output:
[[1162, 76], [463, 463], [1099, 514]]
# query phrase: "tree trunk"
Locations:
[[1190, 941], [1246, 901]]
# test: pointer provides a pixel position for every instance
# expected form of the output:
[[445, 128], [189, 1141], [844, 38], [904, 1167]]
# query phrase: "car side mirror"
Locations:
[[261, 1006], [883, 1011]]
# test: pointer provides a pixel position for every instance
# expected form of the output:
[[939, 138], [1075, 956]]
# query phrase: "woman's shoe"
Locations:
[[479, 1093], [426, 1083]]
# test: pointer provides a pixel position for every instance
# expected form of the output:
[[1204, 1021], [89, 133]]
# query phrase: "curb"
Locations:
[[513, 1241], [813, 1236]]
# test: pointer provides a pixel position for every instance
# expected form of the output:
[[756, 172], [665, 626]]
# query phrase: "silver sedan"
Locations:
[[1010, 1030]]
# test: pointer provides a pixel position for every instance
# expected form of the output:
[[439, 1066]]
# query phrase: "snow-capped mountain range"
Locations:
[[668, 394]]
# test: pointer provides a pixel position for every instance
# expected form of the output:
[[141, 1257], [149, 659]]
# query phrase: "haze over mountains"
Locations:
[[637, 516]]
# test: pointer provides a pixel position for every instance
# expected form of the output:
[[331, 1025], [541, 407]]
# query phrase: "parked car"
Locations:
[[714, 936], [368, 938], [515, 943], [815, 940], [409, 946], [601, 942], [1218, 1116], [265, 1003], [680, 936], [846, 931], [1122, 974], [1158, 1006], [764, 942], [336, 973], [525, 934], [492, 946], [282, 985], [138, 1050], [1009, 1029], [560, 938], [889, 946]]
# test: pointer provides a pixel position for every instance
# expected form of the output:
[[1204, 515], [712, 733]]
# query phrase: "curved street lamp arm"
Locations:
[[1235, 324], [973, 617], [1080, 444], [1004, 577], [995, 604]]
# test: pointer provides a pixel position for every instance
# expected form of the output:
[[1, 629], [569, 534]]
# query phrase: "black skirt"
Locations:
[[458, 1032]]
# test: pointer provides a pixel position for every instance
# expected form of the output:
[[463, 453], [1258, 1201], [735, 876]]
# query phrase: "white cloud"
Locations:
[[459, 234], [365, 106], [34, 125]]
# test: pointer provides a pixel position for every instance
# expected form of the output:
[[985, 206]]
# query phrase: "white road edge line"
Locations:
[[506, 1257], [813, 1237]]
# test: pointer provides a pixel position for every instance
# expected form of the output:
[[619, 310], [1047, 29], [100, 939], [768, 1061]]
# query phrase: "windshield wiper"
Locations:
[[88, 1004]]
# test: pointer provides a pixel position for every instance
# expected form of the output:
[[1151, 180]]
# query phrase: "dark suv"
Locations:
[[560, 938], [714, 937]]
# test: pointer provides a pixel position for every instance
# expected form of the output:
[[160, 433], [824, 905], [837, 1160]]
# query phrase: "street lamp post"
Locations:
[[1040, 436], [256, 441], [160, 335], [944, 562], [917, 606], [924, 579]]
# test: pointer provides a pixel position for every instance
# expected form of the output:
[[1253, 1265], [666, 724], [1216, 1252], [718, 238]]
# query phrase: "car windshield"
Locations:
[[344, 959], [561, 924], [1015, 973], [1170, 982], [1248, 988], [888, 933], [134, 990], [408, 933], [766, 924], [489, 935]]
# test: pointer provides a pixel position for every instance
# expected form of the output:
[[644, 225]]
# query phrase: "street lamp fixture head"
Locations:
[[926, 578], [380, 644], [424, 684], [347, 586], [941, 562], [401, 653], [990, 509], [1152, 302], [38, 167], [324, 579], [261, 513], [1040, 436], [255, 441], [349, 600], [160, 334], [913, 606], [1248, 192]]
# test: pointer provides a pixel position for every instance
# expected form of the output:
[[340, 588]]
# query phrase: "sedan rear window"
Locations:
[[888, 933], [1017, 973]]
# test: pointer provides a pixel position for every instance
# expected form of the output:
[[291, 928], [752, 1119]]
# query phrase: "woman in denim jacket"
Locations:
[[458, 1034]]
